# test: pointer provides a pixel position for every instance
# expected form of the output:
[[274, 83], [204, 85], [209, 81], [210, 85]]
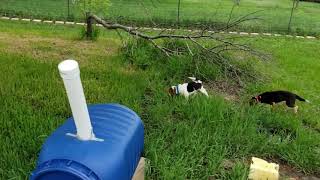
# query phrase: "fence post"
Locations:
[[294, 5], [89, 25], [178, 16], [68, 17]]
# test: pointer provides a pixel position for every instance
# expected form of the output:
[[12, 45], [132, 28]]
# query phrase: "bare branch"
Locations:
[[165, 50], [240, 20], [134, 31], [210, 45]]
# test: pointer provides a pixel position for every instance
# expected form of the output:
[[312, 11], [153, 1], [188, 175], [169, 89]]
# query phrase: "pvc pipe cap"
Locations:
[[69, 69]]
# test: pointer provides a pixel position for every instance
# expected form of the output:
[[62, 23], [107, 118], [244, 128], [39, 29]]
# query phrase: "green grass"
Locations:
[[275, 14], [183, 139]]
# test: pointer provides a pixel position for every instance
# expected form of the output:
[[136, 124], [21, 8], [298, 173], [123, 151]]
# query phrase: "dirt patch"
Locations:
[[230, 91], [288, 172], [128, 70], [54, 49]]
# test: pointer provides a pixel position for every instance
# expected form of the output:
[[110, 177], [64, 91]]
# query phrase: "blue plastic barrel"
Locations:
[[65, 157]]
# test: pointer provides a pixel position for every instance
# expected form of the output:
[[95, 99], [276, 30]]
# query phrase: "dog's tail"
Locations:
[[301, 99]]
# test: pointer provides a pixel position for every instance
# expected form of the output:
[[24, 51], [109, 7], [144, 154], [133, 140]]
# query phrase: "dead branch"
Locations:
[[203, 34], [209, 42]]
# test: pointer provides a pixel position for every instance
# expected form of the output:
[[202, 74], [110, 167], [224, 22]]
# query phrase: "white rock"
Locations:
[[59, 22], [36, 20], [267, 34], [6, 18], [70, 23], [244, 33], [81, 24], [310, 37]]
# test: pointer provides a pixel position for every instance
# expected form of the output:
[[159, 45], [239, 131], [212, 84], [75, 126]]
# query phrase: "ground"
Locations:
[[184, 139]]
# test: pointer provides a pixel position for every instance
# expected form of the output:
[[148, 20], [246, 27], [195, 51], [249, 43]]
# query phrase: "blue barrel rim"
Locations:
[[65, 166]]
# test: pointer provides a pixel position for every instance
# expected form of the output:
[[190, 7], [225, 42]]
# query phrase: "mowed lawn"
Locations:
[[183, 139], [274, 15]]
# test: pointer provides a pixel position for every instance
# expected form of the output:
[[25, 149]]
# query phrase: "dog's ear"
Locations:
[[172, 91], [192, 78]]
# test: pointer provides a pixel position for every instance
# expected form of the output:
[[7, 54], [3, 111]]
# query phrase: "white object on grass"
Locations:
[[82, 24], [59, 22], [6, 18], [254, 34], [69, 23], [261, 169], [244, 33], [70, 73], [310, 37], [36, 20]]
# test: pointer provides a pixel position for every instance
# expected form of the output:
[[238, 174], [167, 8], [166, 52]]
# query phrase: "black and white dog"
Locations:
[[187, 89]]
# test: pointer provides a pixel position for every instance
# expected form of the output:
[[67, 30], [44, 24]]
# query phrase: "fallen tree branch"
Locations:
[[217, 43]]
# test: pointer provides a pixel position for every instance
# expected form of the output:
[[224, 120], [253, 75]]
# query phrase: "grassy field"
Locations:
[[275, 14], [184, 139]]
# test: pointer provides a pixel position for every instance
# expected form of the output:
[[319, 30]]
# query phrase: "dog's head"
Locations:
[[255, 100], [172, 91]]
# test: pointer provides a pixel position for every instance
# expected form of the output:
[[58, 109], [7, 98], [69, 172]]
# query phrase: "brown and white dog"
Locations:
[[187, 89]]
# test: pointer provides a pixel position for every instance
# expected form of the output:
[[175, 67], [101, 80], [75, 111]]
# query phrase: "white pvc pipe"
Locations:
[[70, 73]]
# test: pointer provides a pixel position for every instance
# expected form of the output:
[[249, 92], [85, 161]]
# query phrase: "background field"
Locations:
[[184, 139], [275, 14]]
